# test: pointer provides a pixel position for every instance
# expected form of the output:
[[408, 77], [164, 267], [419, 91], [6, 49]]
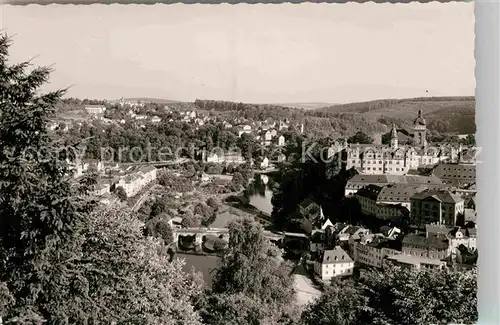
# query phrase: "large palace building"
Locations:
[[397, 159]]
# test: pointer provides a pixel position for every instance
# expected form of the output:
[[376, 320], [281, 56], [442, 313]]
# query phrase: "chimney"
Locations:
[[377, 139]]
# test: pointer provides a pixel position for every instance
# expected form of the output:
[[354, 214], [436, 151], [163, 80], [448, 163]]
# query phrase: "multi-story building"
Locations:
[[387, 202], [387, 211], [373, 252], [457, 174], [433, 247], [436, 206], [133, 182], [457, 236], [397, 159], [359, 181], [333, 263]]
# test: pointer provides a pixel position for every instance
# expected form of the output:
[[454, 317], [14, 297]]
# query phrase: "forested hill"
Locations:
[[444, 115]]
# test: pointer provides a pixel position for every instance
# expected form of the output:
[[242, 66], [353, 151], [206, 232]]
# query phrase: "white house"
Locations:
[[175, 222], [244, 129], [281, 141], [155, 119], [219, 159], [133, 183], [267, 138], [265, 163], [95, 109], [333, 263]]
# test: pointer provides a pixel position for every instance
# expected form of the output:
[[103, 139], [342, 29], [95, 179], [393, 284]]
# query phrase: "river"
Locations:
[[203, 264], [260, 195]]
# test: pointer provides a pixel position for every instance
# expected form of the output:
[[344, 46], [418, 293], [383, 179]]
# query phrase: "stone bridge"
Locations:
[[199, 233], [223, 233]]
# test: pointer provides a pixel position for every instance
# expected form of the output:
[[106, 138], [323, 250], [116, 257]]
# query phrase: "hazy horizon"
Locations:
[[282, 53]]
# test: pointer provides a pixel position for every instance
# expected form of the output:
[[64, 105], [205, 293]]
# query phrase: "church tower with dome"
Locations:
[[419, 131]]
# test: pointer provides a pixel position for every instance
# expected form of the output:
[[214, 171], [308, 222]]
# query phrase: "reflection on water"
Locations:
[[260, 193], [204, 264]]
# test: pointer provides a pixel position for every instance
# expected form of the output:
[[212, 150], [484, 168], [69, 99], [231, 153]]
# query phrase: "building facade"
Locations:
[[333, 263], [433, 247], [373, 253], [397, 158], [436, 207]]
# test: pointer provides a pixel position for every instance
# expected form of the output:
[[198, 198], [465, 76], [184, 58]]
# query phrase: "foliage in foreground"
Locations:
[[62, 260], [399, 296], [252, 284]]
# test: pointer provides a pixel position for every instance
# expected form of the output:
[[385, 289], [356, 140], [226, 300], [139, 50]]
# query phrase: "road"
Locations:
[[306, 290], [141, 200]]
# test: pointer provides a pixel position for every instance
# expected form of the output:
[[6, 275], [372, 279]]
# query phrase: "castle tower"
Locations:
[[394, 137], [419, 131]]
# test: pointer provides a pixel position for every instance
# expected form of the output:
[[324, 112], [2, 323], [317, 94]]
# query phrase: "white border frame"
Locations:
[[487, 52]]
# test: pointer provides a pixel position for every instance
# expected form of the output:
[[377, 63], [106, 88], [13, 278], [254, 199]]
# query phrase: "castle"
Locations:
[[397, 159]]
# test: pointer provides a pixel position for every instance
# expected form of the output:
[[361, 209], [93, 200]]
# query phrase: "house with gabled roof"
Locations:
[[333, 263]]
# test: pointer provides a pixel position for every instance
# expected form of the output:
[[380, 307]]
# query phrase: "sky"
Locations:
[[261, 53]]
